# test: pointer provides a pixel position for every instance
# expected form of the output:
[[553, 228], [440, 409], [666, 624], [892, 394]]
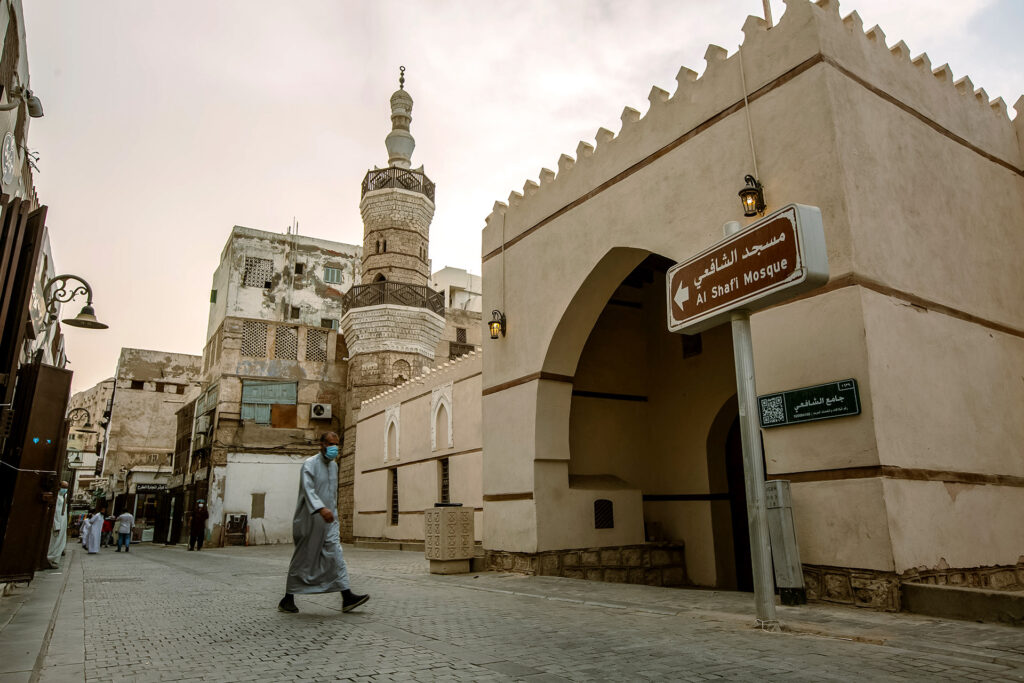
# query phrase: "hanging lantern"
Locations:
[[752, 197]]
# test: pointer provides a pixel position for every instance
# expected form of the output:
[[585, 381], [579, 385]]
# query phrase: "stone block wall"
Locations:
[[648, 564], [881, 590], [402, 219]]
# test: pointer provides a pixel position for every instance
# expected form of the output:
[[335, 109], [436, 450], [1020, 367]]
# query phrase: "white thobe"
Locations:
[[59, 537], [93, 533], [317, 565]]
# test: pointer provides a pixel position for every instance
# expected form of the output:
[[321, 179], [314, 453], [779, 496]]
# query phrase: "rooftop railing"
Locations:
[[393, 177], [399, 293]]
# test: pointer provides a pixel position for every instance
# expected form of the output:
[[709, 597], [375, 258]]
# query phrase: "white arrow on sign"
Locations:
[[682, 295]]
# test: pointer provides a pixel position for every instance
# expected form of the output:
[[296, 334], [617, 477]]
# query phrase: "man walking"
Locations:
[[123, 526], [318, 565], [197, 527]]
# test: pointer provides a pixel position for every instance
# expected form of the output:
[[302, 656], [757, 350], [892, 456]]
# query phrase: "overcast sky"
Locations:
[[169, 122]]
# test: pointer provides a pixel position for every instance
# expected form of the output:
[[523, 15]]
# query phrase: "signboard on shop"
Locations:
[[773, 259]]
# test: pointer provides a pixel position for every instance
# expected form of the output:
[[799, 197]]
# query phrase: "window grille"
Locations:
[[445, 486], [394, 496], [286, 343], [254, 339], [316, 345], [460, 335], [258, 272], [332, 275]]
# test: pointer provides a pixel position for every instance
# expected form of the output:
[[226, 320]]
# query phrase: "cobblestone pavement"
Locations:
[[163, 614]]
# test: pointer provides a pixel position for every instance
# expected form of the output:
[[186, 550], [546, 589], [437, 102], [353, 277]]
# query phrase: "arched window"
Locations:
[[380, 278], [400, 371], [392, 442], [441, 426]]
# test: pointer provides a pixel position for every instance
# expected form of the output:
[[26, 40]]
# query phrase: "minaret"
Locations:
[[392, 321], [397, 206]]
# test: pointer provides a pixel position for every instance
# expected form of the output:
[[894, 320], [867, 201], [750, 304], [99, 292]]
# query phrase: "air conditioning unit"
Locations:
[[320, 411], [203, 424]]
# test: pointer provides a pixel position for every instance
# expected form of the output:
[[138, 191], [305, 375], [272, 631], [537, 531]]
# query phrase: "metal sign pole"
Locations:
[[753, 465]]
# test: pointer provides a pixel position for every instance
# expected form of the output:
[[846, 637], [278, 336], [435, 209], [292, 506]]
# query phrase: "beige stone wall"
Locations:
[[412, 409], [920, 186], [402, 219]]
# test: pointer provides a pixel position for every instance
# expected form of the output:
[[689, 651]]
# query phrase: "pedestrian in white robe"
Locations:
[[318, 565], [59, 533], [95, 530], [83, 529]]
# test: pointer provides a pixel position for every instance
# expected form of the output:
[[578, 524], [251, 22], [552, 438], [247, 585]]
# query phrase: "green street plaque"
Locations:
[[821, 402]]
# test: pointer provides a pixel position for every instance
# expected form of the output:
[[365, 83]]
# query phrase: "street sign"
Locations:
[[820, 402], [776, 258]]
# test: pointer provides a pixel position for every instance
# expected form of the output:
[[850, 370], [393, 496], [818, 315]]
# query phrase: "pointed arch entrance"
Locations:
[[646, 425]]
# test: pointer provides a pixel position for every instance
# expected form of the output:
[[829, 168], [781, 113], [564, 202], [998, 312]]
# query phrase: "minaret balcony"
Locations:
[[394, 177], [396, 293]]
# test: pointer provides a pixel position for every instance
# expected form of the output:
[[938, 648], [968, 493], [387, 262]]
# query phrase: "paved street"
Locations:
[[163, 614]]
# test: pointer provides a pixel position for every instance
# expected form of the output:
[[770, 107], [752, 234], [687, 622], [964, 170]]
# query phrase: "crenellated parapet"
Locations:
[[446, 372], [810, 35]]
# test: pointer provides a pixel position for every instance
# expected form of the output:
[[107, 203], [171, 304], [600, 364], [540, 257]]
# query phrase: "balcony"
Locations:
[[398, 293], [393, 177]]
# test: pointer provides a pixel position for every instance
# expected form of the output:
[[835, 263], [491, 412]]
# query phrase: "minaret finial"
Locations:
[[399, 141]]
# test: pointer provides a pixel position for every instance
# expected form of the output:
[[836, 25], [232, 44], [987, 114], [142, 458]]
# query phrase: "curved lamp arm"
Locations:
[[63, 293]]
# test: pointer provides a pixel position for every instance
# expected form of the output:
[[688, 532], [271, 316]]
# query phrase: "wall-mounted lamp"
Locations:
[[752, 197], [80, 416], [63, 294], [497, 324], [17, 94]]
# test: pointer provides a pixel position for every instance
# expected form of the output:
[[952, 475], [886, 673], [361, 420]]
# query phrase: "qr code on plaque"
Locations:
[[773, 410]]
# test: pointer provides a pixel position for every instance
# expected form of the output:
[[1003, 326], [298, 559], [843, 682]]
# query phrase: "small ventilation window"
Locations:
[[138, 384], [692, 345], [378, 246], [294, 313], [460, 335], [258, 506], [394, 496], [604, 517], [385, 246], [300, 268], [213, 296]]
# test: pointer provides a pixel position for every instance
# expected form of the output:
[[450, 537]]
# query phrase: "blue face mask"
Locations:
[[331, 452], [63, 491]]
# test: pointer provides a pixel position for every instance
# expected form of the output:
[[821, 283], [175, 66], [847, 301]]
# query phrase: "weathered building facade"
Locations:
[[91, 411], [138, 451], [920, 180], [274, 377]]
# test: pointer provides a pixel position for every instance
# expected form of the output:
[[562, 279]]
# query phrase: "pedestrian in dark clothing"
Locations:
[[197, 527]]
